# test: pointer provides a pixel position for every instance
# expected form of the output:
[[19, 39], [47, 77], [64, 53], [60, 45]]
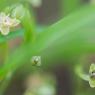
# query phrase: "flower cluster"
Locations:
[[6, 22]]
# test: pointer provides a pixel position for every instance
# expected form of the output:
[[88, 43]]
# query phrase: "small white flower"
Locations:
[[36, 60], [6, 22], [92, 75]]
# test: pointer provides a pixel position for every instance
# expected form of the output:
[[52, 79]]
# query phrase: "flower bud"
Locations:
[[36, 3], [18, 12]]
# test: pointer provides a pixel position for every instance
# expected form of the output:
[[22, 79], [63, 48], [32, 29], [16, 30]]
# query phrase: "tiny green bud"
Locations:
[[36, 60]]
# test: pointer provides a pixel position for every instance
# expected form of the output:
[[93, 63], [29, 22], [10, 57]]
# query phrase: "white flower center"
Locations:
[[6, 22]]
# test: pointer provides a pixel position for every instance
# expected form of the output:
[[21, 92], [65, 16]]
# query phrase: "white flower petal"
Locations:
[[92, 83], [6, 22], [92, 68], [2, 17], [15, 22], [5, 30]]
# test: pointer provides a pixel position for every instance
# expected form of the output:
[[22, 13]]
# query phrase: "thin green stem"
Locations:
[[28, 24], [4, 84]]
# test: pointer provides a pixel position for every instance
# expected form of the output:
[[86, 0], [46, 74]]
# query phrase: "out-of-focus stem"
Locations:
[[68, 6], [3, 52], [28, 23], [4, 55], [4, 84]]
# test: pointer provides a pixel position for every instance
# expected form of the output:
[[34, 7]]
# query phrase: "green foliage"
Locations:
[[72, 35], [62, 32]]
